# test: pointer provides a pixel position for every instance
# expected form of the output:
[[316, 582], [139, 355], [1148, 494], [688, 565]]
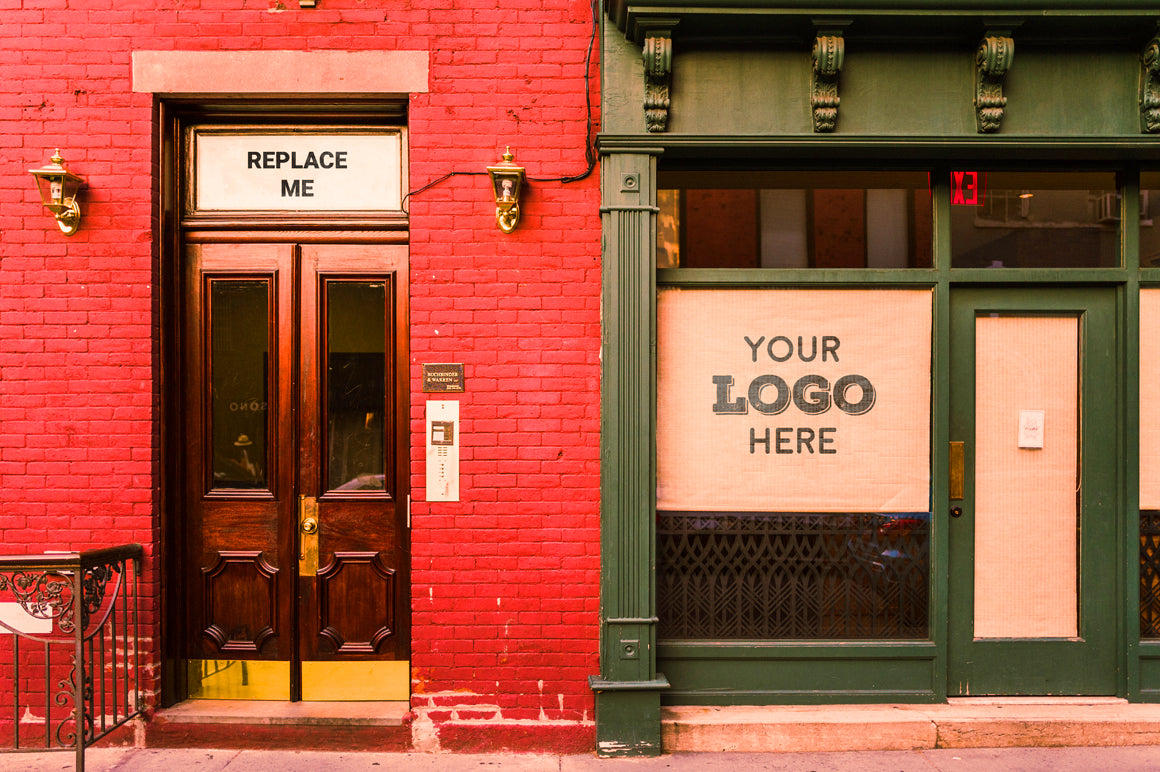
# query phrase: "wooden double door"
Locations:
[[294, 463]]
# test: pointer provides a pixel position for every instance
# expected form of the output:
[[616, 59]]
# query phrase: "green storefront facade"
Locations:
[[877, 421]]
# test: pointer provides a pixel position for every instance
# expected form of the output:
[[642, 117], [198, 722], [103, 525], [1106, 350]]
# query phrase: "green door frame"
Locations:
[[1085, 664], [630, 689]]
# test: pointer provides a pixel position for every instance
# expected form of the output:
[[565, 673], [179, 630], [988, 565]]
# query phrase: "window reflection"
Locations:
[[239, 402], [1039, 220], [1150, 220], [355, 382], [794, 220]]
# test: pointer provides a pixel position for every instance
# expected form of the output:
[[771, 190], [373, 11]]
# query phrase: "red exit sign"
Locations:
[[968, 188]]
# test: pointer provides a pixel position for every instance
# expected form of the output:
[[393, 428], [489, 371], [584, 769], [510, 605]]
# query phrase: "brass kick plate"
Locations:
[[356, 681], [238, 679], [307, 536], [956, 471]]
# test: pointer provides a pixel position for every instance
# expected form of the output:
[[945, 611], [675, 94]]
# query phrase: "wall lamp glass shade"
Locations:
[[58, 193], [507, 183]]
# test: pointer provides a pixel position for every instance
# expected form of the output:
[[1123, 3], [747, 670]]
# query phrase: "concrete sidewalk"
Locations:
[[1130, 759]]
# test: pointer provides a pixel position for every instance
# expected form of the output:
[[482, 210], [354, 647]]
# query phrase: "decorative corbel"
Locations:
[[1150, 86], [658, 69], [992, 60], [829, 52]]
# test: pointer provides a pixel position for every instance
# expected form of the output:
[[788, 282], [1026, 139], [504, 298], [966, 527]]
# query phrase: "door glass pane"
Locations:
[[239, 381], [1037, 220], [356, 347], [1026, 476]]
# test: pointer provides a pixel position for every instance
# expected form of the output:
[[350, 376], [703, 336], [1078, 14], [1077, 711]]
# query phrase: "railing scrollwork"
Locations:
[[92, 660]]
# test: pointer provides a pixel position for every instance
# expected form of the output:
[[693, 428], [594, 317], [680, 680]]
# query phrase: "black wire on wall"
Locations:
[[589, 144]]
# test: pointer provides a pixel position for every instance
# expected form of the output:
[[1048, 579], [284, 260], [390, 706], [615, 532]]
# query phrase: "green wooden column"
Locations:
[[628, 687]]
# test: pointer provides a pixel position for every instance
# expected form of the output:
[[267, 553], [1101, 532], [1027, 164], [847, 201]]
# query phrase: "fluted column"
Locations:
[[628, 687]]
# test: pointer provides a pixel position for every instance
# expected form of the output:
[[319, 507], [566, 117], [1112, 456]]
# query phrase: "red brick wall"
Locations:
[[505, 582]]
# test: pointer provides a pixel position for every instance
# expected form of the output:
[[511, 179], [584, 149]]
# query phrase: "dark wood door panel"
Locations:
[[356, 600], [241, 604]]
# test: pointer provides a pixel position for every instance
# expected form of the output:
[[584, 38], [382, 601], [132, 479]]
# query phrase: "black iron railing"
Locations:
[[69, 648]]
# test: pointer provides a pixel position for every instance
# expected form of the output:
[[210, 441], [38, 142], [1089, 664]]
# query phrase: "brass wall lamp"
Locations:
[[507, 182], [58, 193]]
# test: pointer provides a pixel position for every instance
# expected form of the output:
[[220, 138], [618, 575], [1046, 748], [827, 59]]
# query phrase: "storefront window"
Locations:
[[1150, 220], [1036, 220], [794, 220], [744, 575], [793, 471]]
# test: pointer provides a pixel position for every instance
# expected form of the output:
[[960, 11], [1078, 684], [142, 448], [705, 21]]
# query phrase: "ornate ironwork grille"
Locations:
[[69, 648], [1150, 573], [742, 575]]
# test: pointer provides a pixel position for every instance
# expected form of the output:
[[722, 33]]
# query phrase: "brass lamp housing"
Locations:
[[507, 182], [58, 191]]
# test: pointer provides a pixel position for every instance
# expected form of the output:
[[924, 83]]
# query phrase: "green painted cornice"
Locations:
[[1128, 21], [921, 150]]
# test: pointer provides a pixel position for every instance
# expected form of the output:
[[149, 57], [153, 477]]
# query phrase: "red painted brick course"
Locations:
[[504, 582]]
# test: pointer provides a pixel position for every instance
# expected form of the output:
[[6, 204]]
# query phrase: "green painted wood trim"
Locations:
[[1084, 276], [908, 151], [600, 685], [1129, 543], [874, 18], [628, 688], [940, 399], [810, 697], [628, 426], [723, 680], [827, 649], [725, 277], [628, 723]]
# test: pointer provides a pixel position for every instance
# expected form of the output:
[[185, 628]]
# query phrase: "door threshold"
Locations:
[[273, 712]]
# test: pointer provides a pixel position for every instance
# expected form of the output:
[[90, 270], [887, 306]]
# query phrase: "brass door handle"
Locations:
[[308, 539]]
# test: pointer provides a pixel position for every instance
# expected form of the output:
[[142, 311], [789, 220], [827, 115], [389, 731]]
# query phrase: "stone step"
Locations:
[[959, 723], [353, 726]]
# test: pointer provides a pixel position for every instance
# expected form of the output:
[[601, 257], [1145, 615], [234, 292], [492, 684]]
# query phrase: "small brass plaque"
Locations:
[[443, 378], [957, 472]]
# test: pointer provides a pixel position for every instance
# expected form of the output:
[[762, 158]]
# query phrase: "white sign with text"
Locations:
[[317, 172]]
